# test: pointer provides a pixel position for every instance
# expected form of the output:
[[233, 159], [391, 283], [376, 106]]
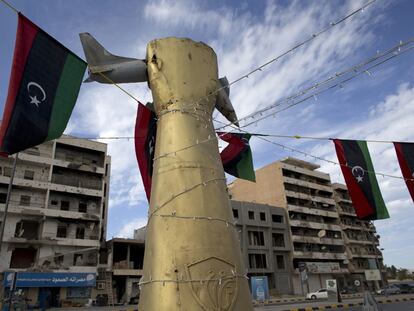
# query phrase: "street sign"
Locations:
[[372, 275]]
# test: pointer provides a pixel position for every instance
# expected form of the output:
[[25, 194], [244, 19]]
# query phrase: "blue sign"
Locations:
[[43, 279], [260, 287]]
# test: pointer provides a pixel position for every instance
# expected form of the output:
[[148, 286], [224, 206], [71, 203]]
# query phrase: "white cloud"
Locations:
[[127, 230]]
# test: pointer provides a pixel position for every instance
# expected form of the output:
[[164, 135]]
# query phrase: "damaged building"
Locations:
[[56, 221]]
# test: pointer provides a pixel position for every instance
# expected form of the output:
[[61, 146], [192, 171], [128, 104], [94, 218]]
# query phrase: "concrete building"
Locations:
[[361, 240], [265, 243], [313, 219], [56, 220], [125, 264]]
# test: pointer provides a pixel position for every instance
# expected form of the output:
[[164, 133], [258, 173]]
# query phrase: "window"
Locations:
[[235, 213], [277, 218], [54, 202], [256, 238], [83, 207], [257, 261], [64, 205], [80, 232], [61, 231], [251, 215], [77, 259], [280, 262], [58, 259], [262, 216], [3, 197], [25, 200], [278, 240], [7, 171], [28, 174]]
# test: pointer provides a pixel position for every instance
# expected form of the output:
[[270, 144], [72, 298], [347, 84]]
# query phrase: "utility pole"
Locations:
[[192, 254], [6, 206]]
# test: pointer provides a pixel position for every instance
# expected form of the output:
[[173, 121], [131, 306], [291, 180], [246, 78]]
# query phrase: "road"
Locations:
[[396, 306]]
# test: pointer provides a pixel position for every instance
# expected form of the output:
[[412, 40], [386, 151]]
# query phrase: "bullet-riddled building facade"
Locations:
[[316, 236], [57, 218], [361, 239]]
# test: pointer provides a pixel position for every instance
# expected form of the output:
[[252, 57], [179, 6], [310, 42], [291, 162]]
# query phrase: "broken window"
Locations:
[[61, 231], [77, 259], [64, 205], [7, 171], [80, 232], [277, 218], [83, 207], [27, 229], [3, 197], [235, 213], [257, 261], [278, 240], [25, 200], [262, 216], [54, 202], [22, 258], [251, 215], [256, 238], [28, 174], [58, 259]]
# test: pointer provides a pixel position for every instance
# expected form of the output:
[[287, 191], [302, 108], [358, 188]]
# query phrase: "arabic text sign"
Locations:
[[41, 279]]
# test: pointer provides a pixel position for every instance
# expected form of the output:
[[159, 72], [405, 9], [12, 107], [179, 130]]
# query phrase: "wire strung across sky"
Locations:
[[295, 47], [325, 85]]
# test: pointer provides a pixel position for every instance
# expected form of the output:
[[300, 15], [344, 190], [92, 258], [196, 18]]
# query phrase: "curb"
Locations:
[[342, 305]]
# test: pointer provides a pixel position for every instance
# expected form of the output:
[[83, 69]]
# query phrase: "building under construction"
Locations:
[[56, 220]]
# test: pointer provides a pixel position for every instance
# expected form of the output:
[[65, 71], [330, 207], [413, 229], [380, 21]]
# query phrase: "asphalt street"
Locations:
[[397, 306]]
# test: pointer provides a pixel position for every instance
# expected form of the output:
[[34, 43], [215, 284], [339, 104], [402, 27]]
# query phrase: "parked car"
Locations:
[[405, 288], [320, 294], [389, 290]]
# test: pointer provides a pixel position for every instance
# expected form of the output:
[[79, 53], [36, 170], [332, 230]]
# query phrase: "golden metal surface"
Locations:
[[190, 263]]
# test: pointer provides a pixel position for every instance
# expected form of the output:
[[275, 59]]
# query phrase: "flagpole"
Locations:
[[6, 207]]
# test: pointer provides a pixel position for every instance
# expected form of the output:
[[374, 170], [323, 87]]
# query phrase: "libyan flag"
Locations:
[[44, 85], [358, 171], [145, 134], [405, 155], [237, 156]]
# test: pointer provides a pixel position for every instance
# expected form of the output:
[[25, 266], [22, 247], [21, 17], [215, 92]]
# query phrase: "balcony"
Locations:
[[319, 255], [312, 211], [309, 197], [316, 240], [307, 183], [314, 225]]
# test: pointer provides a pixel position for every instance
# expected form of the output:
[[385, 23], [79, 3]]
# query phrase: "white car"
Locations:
[[320, 294]]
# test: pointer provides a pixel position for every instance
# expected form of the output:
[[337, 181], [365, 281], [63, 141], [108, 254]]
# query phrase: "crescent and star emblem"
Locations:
[[358, 173], [34, 99]]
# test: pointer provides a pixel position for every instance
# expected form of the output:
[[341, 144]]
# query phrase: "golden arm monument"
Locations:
[[192, 254]]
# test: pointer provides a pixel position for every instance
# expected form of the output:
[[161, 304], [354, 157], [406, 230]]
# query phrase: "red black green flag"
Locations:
[[44, 85], [145, 134], [405, 155], [237, 156], [358, 171]]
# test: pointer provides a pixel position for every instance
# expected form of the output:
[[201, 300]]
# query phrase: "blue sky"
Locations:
[[245, 34]]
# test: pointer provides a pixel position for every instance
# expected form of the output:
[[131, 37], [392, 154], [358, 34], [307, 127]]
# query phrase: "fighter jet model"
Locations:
[[104, 67]]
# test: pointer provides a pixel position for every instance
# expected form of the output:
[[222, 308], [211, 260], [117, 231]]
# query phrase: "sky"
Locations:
[[378, 105]]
